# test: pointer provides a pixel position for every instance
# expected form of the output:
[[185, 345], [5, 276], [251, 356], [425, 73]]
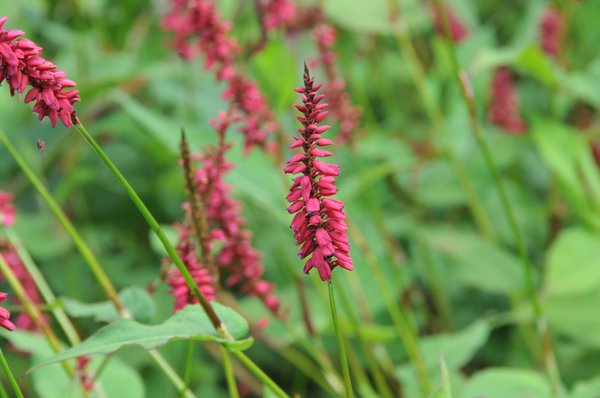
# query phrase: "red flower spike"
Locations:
[[21, 66], [504, 107], [4, 314], [551, 31], [319, 223]]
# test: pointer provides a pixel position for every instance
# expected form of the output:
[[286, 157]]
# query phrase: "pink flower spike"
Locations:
[[22, 66], [318, 223]]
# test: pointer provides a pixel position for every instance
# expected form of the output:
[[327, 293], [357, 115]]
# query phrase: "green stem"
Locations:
[[229, 376], [171, 374], [10, 376], [378, 376], [3, 393], [259, 374], [527, 268], [44, 288], [143, 209], [189, 361], [33, 312], [340, 343]]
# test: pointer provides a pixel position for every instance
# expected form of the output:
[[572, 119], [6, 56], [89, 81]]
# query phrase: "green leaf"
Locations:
[[575, 316], [445, 390], [478, 263], [533, 62], [135, 299], [573, 263], [507, 383], [189, 323], [586, 389]]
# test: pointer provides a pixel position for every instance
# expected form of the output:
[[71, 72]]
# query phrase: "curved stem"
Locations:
[[340, 343], [259, 374], [171, 374], [229, 376], [467, 93], [189, 280], [44, 288], [10, 376]]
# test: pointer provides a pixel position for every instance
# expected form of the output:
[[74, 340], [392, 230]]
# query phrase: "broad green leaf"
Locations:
[[533, 62], [478, 262], [573, 263], [507, 383], [189, 323], [135, 299]]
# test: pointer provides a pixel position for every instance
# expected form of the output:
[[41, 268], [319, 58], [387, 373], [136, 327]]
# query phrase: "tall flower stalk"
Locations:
[[319, 222]]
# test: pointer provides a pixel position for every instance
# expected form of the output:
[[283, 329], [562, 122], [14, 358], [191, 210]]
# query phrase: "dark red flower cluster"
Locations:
[[198, 29], [340, 105], [458, 31], [5, 315], [202, 276], [277, 13], [504, 107], [551, 30], [319, 223], [21, 66], [7, 211]]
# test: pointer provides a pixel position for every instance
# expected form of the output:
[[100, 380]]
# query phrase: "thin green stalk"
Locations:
[[467, 93], [143, 209], [10, 376], [340, 343], [408, 336], [229, 376], [260, 375], [378, 376], [436, 116], [84, 249], [94, 265], [43, 287], [33, 312], [3, 393], [171, 374], [189, 361]]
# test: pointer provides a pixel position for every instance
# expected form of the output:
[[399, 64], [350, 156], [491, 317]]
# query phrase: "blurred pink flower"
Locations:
[[458, 31], [5, 315], [319, 222], [7, 211], [551, 30], [504, 107], [21, 66], [340, 104], [202, 276], [277, 13], [199, 29], [85, 379]]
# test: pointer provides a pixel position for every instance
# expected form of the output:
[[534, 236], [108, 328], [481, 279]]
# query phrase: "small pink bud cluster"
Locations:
[[85, 379], [319, 223], [21, 66], [504, 107], [202, 276], [551, 30], [340, 104], [5, 315], [458, 32], [7, 211], [23, 320], [277, 13], [198, 29]]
